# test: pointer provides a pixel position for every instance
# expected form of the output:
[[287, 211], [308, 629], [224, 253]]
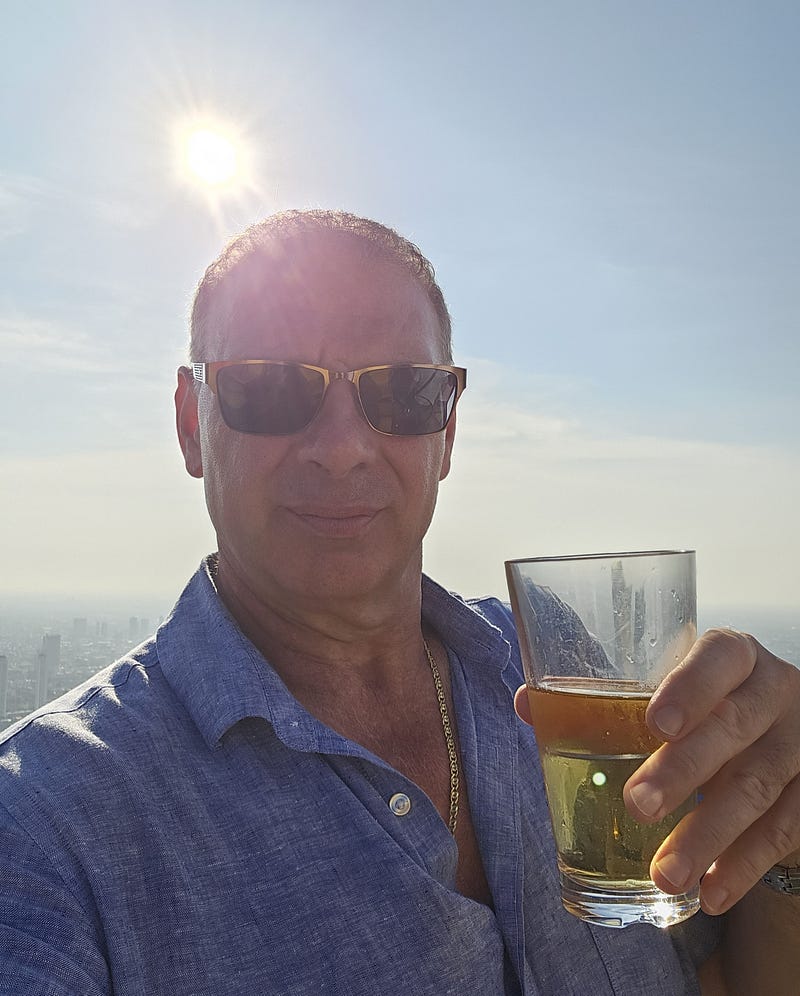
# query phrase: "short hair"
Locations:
[[254, 245]]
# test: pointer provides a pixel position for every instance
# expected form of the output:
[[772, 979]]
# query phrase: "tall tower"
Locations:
[[41, 678], [3, 686], [47, 662]]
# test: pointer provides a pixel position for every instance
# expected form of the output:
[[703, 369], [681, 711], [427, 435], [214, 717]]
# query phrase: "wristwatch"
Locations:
[[784, 878]]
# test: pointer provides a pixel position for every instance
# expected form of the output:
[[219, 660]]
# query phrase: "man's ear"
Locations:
[[449, 438], [187, 422]]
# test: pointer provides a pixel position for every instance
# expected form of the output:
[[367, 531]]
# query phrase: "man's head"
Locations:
[[266, 253], [330, 509]]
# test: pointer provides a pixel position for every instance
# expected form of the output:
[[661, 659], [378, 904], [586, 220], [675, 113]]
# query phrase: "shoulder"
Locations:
[[59, 750], [117, 686], [440, 603], [485, 619], [480, 631], [496, 612]]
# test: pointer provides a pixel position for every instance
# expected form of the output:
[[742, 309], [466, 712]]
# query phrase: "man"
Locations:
[[312, 779]]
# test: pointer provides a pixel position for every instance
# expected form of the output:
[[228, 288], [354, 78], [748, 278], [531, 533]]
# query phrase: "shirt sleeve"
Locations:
[[49, 945]]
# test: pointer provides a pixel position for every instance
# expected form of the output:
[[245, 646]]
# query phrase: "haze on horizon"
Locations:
[[609, 196]]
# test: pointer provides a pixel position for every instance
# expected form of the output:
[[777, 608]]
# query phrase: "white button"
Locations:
[[400, 804]]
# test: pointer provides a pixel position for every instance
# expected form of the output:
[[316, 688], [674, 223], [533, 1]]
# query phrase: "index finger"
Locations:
[[719, 662]]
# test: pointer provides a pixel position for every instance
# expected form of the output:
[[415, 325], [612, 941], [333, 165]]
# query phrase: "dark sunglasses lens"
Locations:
[[271, 399], [408, 400]]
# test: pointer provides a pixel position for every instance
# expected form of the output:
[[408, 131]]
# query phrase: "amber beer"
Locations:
[[591, 740], [598, 634]]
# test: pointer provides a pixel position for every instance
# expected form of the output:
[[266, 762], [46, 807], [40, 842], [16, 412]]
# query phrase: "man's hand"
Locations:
[[730, 714]]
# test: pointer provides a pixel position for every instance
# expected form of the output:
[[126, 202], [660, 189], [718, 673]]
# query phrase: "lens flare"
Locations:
[[211, 157]]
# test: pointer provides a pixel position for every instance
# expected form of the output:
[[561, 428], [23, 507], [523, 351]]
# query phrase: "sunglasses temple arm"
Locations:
[[199, 372]]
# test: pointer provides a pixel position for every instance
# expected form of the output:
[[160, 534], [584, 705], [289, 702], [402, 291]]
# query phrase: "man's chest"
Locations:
[[303, 880]]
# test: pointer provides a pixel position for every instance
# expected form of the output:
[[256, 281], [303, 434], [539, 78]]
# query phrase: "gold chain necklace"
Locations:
[[449, 739]]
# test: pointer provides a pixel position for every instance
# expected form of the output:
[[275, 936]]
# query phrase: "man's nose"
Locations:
[[340, 438]]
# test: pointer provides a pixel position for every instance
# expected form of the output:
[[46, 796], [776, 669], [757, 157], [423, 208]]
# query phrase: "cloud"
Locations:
[[18, 196], [528, 483], [525, 482], [22, 197], [126, 213], [36, 343]]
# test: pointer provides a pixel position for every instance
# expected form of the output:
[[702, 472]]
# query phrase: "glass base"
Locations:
[[620, 904]]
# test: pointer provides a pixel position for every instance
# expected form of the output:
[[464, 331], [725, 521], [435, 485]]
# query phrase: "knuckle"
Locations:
[[716, 838], [756, 791], [734, 718], [749, 869], [684, 765], [786, 681], [730, 643], [729, 639], [780, 840]]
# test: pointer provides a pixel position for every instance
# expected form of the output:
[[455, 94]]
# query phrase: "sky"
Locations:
[[608, 191]]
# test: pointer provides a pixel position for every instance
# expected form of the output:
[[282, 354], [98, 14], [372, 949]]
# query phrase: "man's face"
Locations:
[[336, 510]]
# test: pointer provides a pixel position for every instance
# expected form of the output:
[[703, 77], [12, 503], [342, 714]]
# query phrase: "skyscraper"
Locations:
[[48, 661], [3, 686]]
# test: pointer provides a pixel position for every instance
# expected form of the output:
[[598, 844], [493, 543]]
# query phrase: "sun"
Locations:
[[211, 157], [217, 157]]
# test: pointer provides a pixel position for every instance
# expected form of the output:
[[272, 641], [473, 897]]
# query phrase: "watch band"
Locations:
[[784, 878]]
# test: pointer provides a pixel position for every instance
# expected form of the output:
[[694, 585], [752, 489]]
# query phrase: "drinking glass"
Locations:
[[598, 633]]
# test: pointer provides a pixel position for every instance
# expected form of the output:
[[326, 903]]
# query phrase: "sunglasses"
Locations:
[[273, 398]]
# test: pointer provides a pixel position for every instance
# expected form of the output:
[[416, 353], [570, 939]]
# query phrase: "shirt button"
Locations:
[[400, 804]]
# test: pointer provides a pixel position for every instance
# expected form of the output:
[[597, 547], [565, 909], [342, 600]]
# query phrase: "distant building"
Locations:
[[3, 686], [41, 678], [48, 661]]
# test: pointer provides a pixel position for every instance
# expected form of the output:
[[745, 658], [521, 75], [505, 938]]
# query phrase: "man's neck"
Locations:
[[314, 641]]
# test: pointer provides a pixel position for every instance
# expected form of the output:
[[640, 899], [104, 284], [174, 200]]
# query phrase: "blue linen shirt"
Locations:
[[180, 824]]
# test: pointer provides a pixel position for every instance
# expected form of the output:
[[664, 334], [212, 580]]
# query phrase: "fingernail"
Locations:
[[669, 719], [647, 798], [715, 898], [675, 869]]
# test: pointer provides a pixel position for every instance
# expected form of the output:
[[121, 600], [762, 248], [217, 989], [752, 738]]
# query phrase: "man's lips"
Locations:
[[335, 521]]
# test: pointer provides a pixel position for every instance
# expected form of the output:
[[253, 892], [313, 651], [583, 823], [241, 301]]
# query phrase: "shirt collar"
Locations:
[[464, 627], [221, 678]]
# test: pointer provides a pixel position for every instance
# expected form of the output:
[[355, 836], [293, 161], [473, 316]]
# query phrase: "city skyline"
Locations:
[[46, 652], [608, 195], [82, 646]]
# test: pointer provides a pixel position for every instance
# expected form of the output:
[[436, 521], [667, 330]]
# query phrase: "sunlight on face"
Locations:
[[211, 157]]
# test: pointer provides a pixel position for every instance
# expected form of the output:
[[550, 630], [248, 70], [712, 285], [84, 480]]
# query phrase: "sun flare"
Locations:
[[218, 158], [211, 157]]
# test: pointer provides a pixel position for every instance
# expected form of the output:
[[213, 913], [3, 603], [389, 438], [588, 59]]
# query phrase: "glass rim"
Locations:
[[599, 556]]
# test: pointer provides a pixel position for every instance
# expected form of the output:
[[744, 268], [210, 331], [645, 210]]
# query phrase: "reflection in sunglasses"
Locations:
[[271, 397]]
